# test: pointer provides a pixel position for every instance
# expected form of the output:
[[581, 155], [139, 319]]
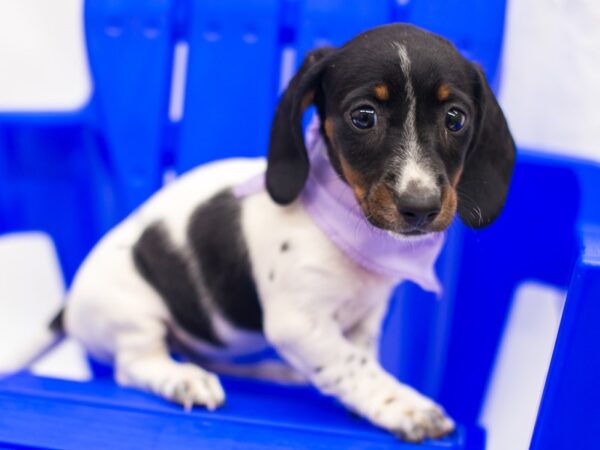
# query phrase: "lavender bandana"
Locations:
[[332, 205]]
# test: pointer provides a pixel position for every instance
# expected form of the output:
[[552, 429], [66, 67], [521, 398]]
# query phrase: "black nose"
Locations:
[[418, 209]]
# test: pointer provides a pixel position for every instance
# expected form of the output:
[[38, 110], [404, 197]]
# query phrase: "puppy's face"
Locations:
[[411, 126], [398, 115]]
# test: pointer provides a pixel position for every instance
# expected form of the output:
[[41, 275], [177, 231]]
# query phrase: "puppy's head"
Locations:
[[410, 125]]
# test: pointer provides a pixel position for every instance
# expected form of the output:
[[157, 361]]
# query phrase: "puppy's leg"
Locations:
[[316, 346], [367, 333], [143, 361]]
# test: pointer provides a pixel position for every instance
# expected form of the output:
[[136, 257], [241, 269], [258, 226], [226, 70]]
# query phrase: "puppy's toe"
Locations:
[[419, 425], [434, 420], [410, 431], [190, 385], [415, 422]]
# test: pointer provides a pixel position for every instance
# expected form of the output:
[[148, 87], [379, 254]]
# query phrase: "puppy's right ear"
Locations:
[[287, 163]]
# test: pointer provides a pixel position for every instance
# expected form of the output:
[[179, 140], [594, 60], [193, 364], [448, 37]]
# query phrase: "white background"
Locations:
[[551, 75], [42, 55]]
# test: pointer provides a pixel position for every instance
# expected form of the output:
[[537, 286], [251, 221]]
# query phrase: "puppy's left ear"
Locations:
[[489, 162], [287, 163]]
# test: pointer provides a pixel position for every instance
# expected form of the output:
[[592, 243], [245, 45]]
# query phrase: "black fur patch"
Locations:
[[216, 238], [168, 271]]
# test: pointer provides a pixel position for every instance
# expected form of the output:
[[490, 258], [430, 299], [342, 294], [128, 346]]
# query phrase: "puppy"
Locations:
[[302, 255]]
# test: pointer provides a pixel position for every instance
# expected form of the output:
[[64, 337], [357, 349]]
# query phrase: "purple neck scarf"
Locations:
[[332, 205]]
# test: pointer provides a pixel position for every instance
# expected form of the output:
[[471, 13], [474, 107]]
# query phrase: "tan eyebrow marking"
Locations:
[[382, 92], [443, 92]]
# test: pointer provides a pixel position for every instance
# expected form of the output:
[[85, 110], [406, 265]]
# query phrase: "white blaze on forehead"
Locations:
[[410, 124], [412, 167]]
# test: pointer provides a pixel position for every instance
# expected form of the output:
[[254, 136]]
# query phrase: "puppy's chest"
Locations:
[[296, 264], [347, 312]]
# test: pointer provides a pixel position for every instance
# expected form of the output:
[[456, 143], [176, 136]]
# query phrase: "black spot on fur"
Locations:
[[355, 415], [389, 400], [57, 325], [216, 239], [271, 276], [285, 246], [168, 270]]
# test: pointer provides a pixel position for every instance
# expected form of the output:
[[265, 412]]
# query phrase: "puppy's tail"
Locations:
[[35, 348]]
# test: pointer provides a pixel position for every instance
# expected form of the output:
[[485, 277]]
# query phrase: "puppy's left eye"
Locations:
[[363, 117], [455, 119]]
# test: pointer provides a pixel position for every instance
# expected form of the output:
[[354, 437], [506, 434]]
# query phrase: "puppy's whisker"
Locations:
[[475, 209], [470, 182], [480, 214], [466, 196]]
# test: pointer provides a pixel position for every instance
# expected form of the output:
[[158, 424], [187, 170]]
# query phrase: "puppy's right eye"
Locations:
[[364, 117]]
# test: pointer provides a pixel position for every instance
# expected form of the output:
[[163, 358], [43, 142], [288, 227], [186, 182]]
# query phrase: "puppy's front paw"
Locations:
[[414, 420], [190, 385]]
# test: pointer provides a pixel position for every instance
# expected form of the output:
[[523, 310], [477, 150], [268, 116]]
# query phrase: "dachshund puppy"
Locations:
[[302, 254]]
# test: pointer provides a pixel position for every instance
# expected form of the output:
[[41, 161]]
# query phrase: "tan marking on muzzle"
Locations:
[[449, 203], [382, 92], [354, 179], [443, 92], [382, 206]]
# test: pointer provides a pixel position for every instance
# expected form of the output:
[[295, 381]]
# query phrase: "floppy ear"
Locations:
[[489, 162], [287, 163]]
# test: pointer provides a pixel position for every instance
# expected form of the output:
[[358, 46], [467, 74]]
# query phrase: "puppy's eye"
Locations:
[[455, 119], [364, 117]]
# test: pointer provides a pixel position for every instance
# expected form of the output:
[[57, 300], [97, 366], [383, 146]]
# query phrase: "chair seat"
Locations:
[[44, 412]]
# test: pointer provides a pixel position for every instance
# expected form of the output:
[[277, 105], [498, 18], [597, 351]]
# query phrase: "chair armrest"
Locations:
[[569, 414]]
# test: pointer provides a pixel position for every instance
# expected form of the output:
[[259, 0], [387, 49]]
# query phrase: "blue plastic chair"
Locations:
[[102, 161]]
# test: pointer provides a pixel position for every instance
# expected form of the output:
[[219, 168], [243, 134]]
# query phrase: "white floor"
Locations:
[[522, 363], [31, 293]]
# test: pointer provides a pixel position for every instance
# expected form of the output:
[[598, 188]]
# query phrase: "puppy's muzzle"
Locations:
[[418, 207]]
